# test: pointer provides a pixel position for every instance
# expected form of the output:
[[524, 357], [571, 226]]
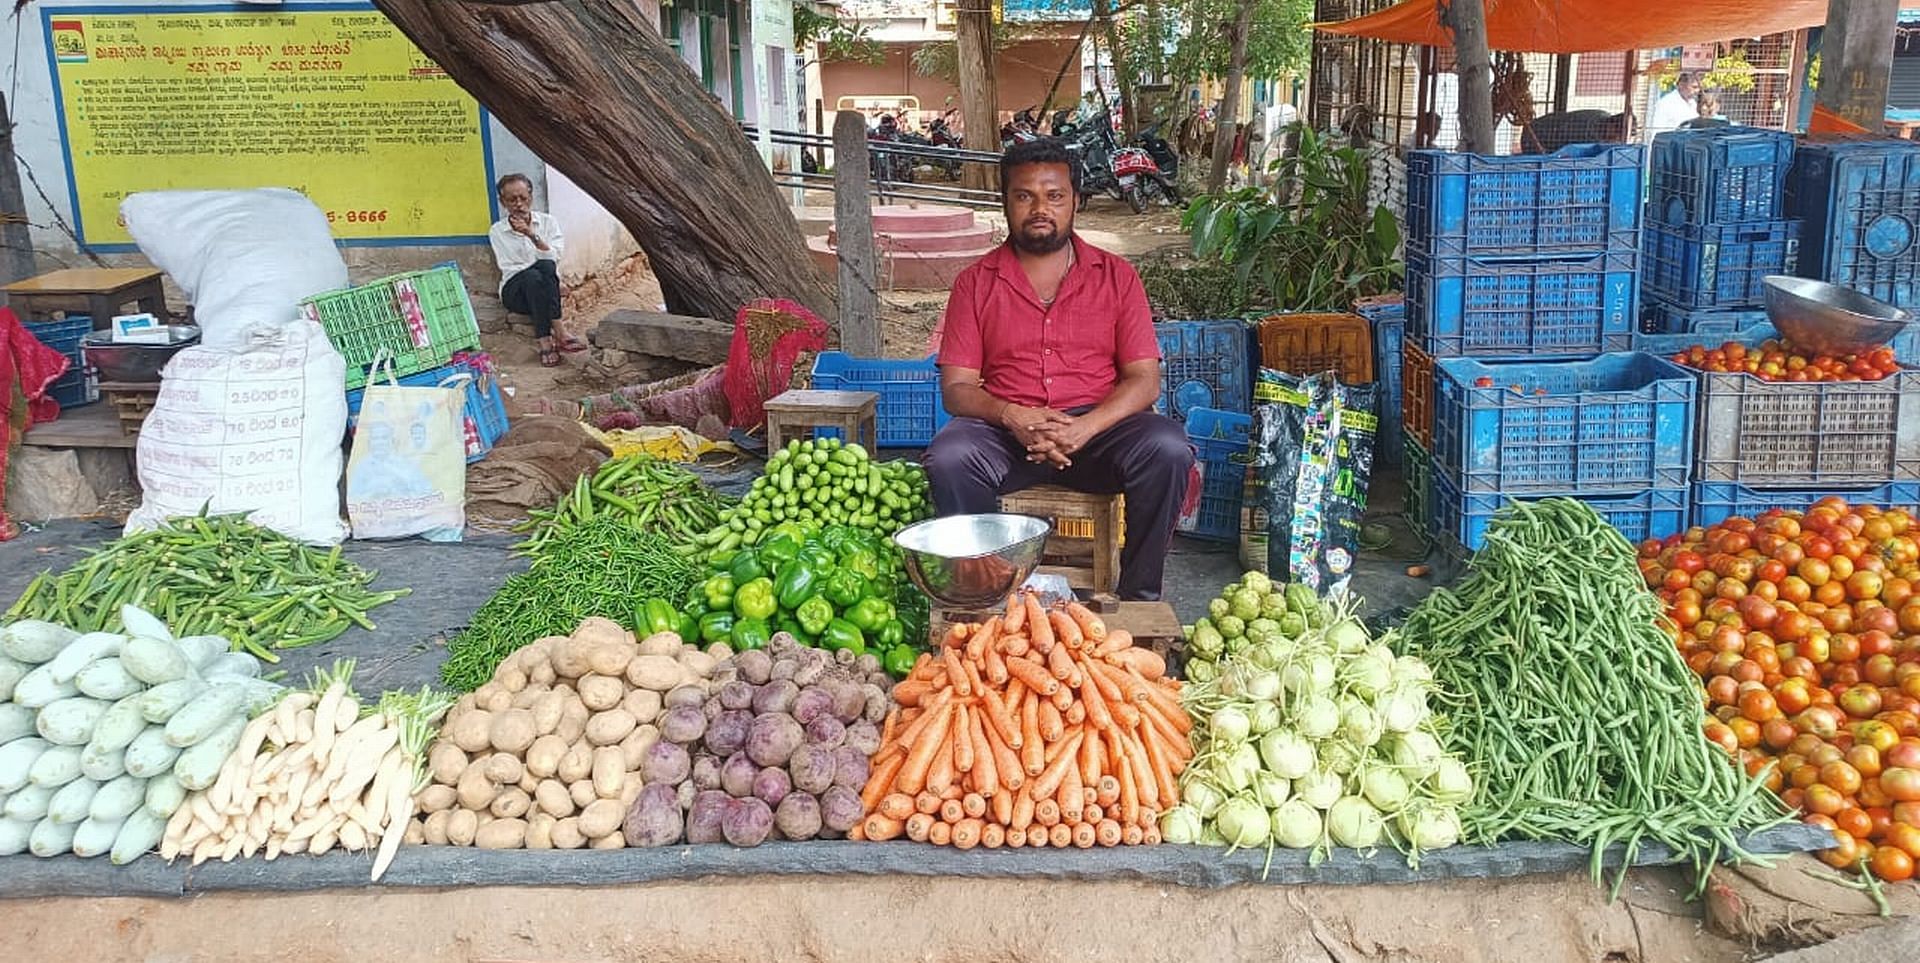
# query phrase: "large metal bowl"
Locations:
[[972, 560], [1829, 319]]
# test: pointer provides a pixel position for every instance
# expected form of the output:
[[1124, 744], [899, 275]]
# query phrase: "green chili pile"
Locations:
[[219, 575], [1576, 706], [601, 566], [645, 491]]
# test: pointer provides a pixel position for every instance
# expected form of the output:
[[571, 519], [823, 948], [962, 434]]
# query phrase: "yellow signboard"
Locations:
[[332, 101]]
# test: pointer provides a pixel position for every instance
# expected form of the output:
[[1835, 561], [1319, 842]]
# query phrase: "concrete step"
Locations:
[[907, 270], [970, 238], [923, 219]]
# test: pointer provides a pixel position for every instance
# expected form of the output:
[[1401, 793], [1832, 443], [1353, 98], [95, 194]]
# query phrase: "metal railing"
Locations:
[[896, 168]]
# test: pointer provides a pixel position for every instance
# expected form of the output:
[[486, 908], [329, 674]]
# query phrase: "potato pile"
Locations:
[[779, 750], [548, 755]]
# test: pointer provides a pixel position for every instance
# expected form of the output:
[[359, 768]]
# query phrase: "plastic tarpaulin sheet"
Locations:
[[1583, 26]]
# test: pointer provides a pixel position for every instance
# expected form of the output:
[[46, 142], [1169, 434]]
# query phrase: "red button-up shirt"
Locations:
[[1064, 356]]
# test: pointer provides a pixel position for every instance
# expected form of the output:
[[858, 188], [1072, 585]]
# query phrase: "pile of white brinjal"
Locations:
[[103, 735], [779, 750], [1315, 737]]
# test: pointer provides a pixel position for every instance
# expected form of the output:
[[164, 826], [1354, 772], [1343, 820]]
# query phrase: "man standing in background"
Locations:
[[1676, 106]]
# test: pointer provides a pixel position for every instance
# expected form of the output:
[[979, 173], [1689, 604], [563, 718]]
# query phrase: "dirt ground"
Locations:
[[890, 919]]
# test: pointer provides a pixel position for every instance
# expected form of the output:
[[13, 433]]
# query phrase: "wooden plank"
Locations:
[[824, 402], [853, 233], [94, 426], [701, 341], [83, 281]]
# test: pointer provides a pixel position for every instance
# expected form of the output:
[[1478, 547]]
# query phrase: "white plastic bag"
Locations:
[[243, 257], [256, 430], [407, 473]]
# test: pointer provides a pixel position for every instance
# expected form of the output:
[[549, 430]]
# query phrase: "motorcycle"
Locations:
[[1022, 128], [888, 165], [1142, 180], [942, 135], [1162, 152]]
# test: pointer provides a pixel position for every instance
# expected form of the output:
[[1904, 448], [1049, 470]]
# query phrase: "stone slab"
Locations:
[[699, 341]]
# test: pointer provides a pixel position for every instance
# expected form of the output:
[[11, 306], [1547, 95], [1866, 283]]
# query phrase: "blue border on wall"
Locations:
[[47, 15]]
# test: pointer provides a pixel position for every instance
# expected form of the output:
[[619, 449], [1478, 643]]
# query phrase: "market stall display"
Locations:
[[104, 734], [212, 575], [1560, 687], [825, 482], [1313, 738], [1036, 728], [1803, 625]]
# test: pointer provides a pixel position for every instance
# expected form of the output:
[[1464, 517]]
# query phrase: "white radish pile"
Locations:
[[316, 771], [551, 753], [103, 735]]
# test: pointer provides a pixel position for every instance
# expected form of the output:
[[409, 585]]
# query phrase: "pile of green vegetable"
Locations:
[[1310, 734], [600, 566], [644, 491], [1583, 721], [836, 588], [821, 483], [219, 575]]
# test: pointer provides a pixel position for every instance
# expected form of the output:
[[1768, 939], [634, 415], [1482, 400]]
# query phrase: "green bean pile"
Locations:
[[647, 492], [601, 566], [1583, 719], [219, 575]]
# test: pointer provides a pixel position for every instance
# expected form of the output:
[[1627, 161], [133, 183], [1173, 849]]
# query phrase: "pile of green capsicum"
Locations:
[[834, 588]]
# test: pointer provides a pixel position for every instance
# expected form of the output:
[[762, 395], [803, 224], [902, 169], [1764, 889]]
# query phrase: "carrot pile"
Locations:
[[1036, 728]]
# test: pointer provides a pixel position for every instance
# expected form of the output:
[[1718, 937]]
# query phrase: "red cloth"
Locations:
[[769, 336], [1064, 357], [27, 369]]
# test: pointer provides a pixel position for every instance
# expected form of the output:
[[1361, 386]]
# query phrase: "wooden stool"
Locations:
[[853, 412], [100, 292], [131, 402], [1100, 516]]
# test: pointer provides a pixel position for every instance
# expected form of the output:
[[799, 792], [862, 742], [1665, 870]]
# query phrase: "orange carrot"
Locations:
[[1166, 699], [1046, 812], [992, 836], [926, 802], [858, 832], [1023, 811], [1096, 706], [1084, 835], [1016, 644], [966, 833], [1016, 838], [962, 739], [1117, 677], [1016, 691], [940, 835], [1051, 725], [926, 748], [1151, 834], [910, 693], [1178, 749], [1076, 713], [1060, 663], [936, 708], [924, 667], [974, 805], [1167, 729], [1097, 673], [1125, 714], [917, 826], [1065, 745], [1162, 770], [1065, 629], [1062, 700], [1131, 836], [1016, 612], [951, 792], [986, 769], [879, 828], [1032, 747], [980, 642], [956, 676], [1006, 763], [1144, 661], [999, 718], [1090, 753], [896, 805], [1002, 807], [1129, 790], [881, 782], [953, 811], [1049, 781], [1072, 806], [1037, 625], [978, 684], [1107, 790], [1108, 833], [1089, 624], [1035, 677], [888, 726], [940, 773], [1060, 836], [1092, 813], [996, 667], [1116, 640], [1142, 770]]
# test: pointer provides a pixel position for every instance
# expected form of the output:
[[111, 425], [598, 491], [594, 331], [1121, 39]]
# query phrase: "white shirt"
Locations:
[[514, 251], [1670, 111]]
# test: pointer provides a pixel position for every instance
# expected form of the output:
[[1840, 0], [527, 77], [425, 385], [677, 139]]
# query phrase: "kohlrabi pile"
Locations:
[[1309, 734]]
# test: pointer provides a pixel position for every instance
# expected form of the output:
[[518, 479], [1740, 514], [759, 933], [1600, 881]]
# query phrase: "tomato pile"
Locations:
[[1779, 361], [1805, 627]]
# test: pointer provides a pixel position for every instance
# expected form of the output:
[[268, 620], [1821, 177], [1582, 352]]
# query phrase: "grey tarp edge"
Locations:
[[440, 867]]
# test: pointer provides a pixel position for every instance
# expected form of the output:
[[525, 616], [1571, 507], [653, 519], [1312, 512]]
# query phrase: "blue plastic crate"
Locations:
[[1619, 422], [1505, 310], [1416, 476], [1204, 364], [1694, 266], [1461, 520], [75, 389], [62, 336], [1667, 345], [1719, 175], [1220, 443], [1861, 203], [1659, 317], [1715, 502], [1582, 199], [1389, 336], [485, 419], [910, 412]]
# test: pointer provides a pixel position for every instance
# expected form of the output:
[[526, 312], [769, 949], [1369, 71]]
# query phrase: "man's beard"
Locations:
[[1027, 244]]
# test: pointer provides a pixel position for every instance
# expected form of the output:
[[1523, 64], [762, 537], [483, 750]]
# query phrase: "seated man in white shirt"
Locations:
[[527, 245], [1675, 107]]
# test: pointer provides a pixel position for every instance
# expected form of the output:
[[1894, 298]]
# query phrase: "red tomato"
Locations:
[[1891, 864], [1901, 784]]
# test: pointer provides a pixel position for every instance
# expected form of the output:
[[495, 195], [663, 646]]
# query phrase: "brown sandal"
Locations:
[[572, 345], [549, 358]]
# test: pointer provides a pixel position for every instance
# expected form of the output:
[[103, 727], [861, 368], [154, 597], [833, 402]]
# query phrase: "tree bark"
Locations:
[[979, 101], [16, 235], [1228, 117], [1467, 19], [853, 237], [1857, 60], [1103, 14], [593, 90]]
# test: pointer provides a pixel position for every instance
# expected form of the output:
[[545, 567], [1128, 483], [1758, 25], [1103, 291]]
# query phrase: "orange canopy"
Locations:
[[1582, 26]]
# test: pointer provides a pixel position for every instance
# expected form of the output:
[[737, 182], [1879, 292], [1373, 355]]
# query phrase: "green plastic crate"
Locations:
[[420, 320]]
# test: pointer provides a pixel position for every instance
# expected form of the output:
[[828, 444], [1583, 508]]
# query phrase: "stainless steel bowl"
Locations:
[[967, 560], [1829, 319]]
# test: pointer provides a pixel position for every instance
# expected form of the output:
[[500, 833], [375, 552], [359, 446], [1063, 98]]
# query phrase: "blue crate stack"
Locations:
[[1860, 200], [1523, 286], [1716, 225], [1388, 320]]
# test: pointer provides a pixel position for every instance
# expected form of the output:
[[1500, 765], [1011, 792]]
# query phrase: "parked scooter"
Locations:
[[1162, 152], [887, 165], [1022, 128], [942, 135]]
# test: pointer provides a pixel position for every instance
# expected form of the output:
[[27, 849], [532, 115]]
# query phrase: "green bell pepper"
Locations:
[[719, 561], [777, 550], [844, 588], [799, 581], [718, 592], [755, 600], [716, 627], [821, 556], [656, 616], [747, 566], [893, 633], [899, 660], [862, 560], [870, 614], [814, 614], [842, 634], [749, 634]]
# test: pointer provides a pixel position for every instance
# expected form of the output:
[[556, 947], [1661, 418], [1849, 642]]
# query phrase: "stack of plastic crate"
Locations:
[[1860, 199], [1715, 229], [419, 321], [78, 386], [1518, 376], [1387, 316]]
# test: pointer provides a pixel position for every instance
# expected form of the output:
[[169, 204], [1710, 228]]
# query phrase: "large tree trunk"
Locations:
[[16, 235], [593, 90], [1228, 117], [1857, 53], [979, 101], [1467, 19]]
